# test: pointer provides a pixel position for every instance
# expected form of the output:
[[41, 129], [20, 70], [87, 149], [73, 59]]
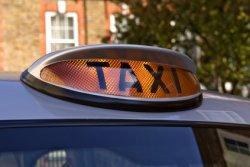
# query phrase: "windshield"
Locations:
[[122, 146]]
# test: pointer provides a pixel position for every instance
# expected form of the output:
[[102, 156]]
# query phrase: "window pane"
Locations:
[[54, 47], [62, 34], [71, 34], [58, 46], [70, 22], [58, 27], [61, 20], [53, 21], [62, 27], [70, 45], [122, 146], [98, 146], [55, 34]]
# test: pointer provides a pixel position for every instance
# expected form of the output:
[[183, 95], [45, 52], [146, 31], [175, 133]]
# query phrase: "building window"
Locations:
[[237, 146], [61, 31]]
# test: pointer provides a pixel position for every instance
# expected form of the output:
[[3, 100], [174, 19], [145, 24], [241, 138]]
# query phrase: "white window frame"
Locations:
[[50, 40]]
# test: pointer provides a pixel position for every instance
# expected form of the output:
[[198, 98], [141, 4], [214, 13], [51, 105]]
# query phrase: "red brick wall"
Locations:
[[19, 34], [98, 12]]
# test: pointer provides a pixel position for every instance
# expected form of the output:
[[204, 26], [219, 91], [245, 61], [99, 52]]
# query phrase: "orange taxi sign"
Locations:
[[122, 78], [127, 77]]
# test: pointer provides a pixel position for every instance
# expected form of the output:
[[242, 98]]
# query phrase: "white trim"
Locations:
[[62, 41], [50, 40], [48, 16]]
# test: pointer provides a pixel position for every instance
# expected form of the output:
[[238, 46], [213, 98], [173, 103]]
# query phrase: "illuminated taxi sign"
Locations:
[[132, 77], [122, 78]]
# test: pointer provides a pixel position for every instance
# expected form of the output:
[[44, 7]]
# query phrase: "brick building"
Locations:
[[32, 28]]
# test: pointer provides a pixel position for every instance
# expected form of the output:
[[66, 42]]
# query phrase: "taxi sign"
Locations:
[[119, 77]]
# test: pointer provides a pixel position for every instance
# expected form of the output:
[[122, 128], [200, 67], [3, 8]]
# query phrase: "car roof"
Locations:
[[20, 102]]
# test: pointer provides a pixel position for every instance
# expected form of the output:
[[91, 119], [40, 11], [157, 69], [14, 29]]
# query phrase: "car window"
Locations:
[[123, 146], [98, 146]]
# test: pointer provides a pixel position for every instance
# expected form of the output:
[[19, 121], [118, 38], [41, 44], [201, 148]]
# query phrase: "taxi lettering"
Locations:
[[123, 84], [135, 83], [157, 79]]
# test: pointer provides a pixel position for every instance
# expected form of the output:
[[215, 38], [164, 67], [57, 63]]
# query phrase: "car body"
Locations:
[[37, 129]]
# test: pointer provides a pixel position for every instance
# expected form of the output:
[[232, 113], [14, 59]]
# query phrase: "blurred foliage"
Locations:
[[214, 33]]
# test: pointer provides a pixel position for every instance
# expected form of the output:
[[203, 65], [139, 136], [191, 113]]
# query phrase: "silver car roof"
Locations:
[[20, 102]]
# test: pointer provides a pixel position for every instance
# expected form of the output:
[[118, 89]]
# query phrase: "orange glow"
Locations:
[[122, 78]]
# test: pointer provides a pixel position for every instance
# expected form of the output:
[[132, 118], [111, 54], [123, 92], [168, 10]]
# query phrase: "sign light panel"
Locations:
[[122, 78]]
